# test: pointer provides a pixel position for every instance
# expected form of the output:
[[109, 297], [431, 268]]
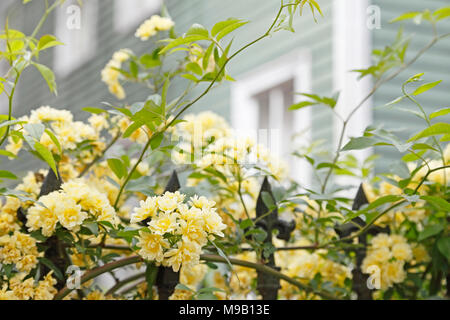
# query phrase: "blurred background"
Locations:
[[317, 58]]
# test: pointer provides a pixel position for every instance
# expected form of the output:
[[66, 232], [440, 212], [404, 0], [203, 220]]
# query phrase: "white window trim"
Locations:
[[64, 57], [124, 24], [352, 46], [244, 110]]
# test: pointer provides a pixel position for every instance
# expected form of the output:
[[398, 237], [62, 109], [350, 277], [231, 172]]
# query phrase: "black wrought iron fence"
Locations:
[[266, 219]]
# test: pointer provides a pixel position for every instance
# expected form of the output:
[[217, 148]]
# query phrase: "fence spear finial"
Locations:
[[167, 279]]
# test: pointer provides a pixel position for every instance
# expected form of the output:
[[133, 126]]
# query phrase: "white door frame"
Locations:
[[244, 109]]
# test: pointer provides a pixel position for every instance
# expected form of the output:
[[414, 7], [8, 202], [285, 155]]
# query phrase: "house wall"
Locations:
[[83, 87], [435, 63]]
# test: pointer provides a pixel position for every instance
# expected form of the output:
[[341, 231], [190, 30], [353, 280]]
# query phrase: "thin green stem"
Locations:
[[10, 104], [427, 120], [133, 169], [378, 216], [376, 86], [227, 60], [98, 157], [241, 196], [98, 271], [124, 282], [265, 269], [18, 73], [205, 257]]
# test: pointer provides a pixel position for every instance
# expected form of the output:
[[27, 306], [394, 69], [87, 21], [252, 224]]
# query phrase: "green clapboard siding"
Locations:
[[83, 87], [435, 63]]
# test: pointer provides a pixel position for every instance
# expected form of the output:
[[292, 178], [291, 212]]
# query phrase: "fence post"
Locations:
[[359, 283], [269, 285], [56, 252], [167, 279]]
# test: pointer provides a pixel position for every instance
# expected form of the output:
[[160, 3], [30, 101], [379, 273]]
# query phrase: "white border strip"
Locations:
[[352, 46], [244, 111]]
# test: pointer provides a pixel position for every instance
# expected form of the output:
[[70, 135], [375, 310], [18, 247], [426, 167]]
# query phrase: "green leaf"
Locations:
[[425, 87], [48, 75], [438, 202], [38, 235], [118, 167], [128, 234], [151, 272], [181, 286], [268, 250], [258, 234], [92, 226], [132, 128], [435, 129], [430, 231], [219, 26], [442, 13], [328, 101], [302, 104], [246, 224], [222, 254], [439, 113], [413, 157], [197, 29], [406, 16], [230, 28], [375, 204], [189, 77], [327, 165], [51, 266], [194, 68], [164, 94], [7, 154], [134, 69], [156, 140], [268, 200], [415, 78], [35, 130], [207, 55], [359, 143], [7, 175], [150, 61], [54, 139], [46, 155], [10, 123], [443, 245], [94, 110], [423, 146], [48, 41], [182, 41]]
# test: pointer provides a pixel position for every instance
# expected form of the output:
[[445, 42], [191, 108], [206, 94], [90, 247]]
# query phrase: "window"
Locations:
[[76, 27], [260, 102], [273, 115], [129, 14]]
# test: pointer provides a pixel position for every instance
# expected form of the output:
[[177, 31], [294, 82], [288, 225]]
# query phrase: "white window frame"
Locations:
[[244, 109], [79, 44], [129, 14], [352, 47]]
